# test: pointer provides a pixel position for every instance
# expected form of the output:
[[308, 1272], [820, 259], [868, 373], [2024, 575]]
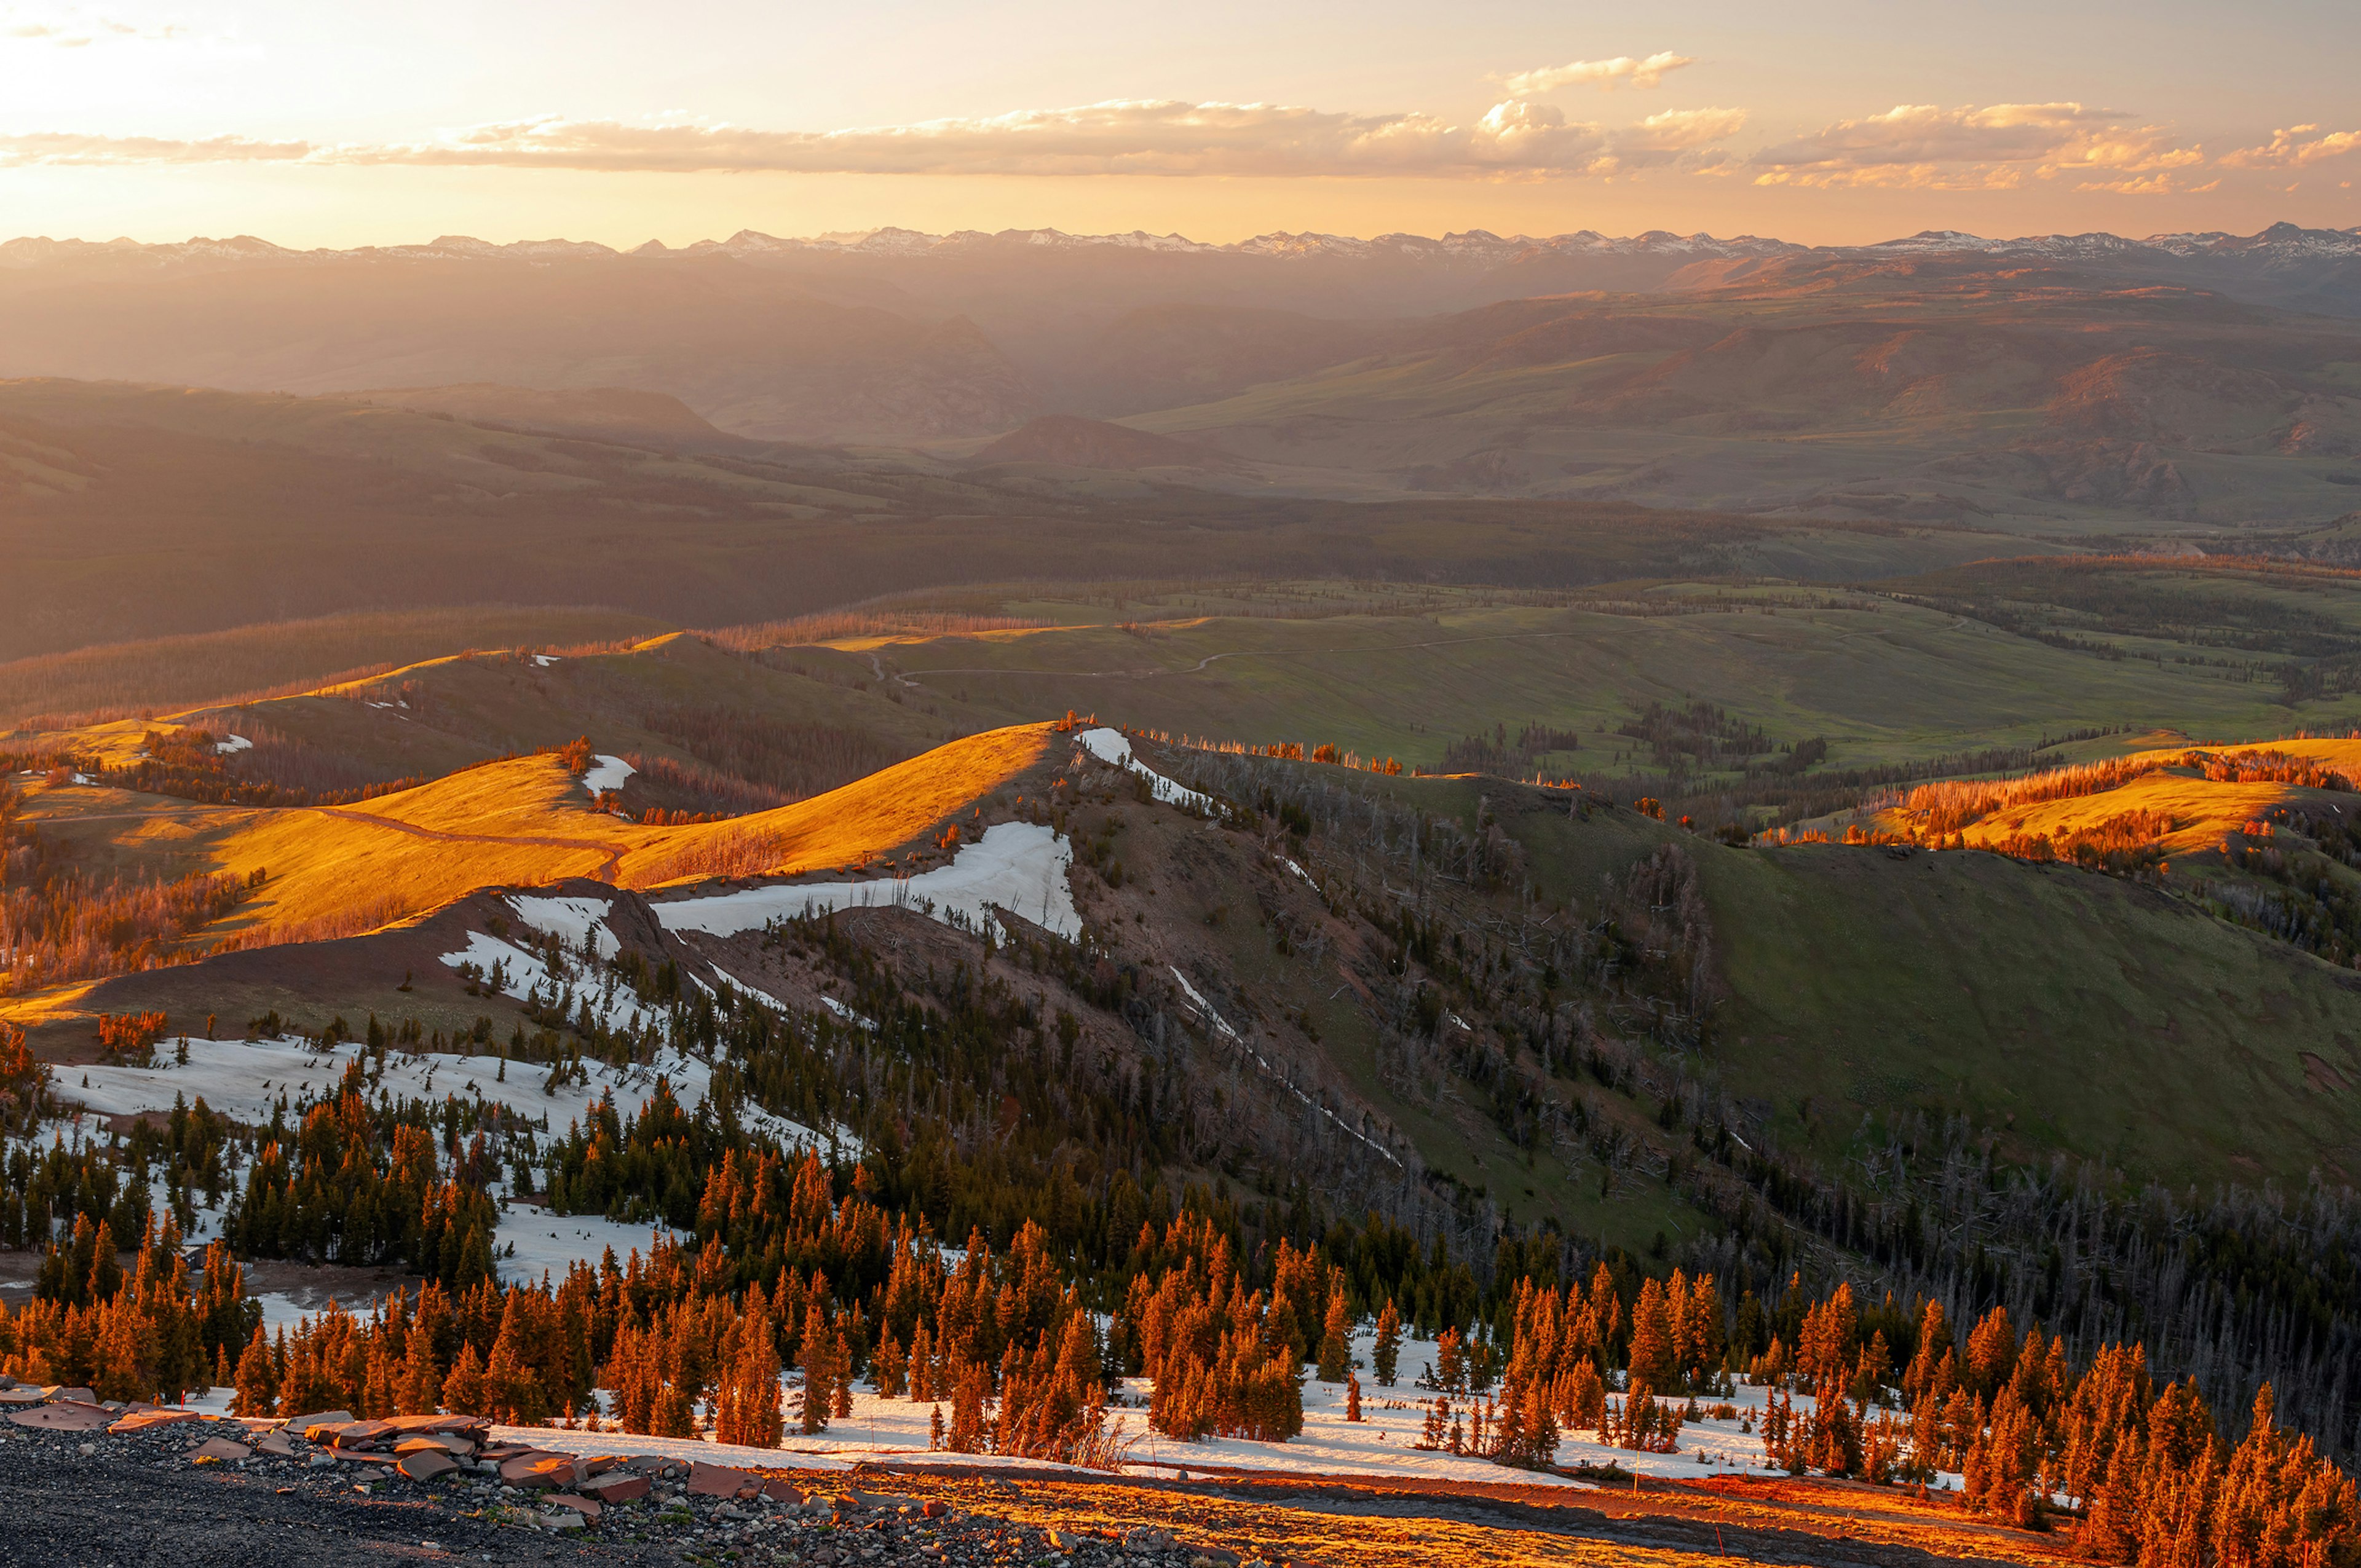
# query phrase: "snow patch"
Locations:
[[1114, 746], [233, 743], [245, 1079], [545, 660], [847, 1013], [1021, 867], [606, 774], [764, 997], [1202, 1005], [529, 1241], [571, 918], [1218, 1022], [525, 976]]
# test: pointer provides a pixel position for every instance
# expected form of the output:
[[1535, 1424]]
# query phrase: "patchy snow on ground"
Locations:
[[245, 1080], [1114, 746], [606, 774], [764, 997], [545, 660], [847, 1013], [1222, 1024], [1202, 1005], [525, 976], [531, 1241], [1019, 866], [571, 918], [232, 743]]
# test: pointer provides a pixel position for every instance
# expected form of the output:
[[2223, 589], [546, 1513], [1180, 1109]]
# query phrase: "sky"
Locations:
[[329, 124]]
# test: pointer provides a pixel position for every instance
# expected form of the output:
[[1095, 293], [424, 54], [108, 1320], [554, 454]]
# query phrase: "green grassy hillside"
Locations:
[[1880, 679], [2059, 1010]]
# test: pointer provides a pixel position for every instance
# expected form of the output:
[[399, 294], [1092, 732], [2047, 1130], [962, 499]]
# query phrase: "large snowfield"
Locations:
[[1021, 867]]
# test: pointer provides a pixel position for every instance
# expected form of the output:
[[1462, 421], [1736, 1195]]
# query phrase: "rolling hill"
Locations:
[[2040, 398]]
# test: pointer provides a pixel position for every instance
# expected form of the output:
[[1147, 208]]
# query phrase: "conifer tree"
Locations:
[[1335, 1335], [257, 1379], [1386, 1355], [463, 1390]]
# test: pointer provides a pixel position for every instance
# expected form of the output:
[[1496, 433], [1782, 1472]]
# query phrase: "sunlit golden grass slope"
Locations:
[[520, 821], [169, 673], [2203, 811]]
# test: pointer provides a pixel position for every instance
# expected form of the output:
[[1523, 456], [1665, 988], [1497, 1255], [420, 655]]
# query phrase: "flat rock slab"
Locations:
[[721, 1481], [543, 1470], [219, 1448], [477, 1427], [275, 1443], [617, 1487], [21, 1396], [62, 1416], [588, 1508], [141, 1420], [427, 1463], [778, 1491]]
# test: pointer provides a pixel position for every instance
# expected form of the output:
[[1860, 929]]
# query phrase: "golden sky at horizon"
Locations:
[[1825, 123]]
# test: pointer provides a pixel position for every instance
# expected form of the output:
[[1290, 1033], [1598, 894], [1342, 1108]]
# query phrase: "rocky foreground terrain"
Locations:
[[81, 1483]]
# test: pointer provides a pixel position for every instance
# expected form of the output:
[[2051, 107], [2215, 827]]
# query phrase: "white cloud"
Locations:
[[1603, 73], [1122, 137], [73, 30], [72, 148], [1920, 145], [2294, 147]]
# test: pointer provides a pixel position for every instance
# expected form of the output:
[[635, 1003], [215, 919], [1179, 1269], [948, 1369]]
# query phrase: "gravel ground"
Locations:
[[99, 1501]]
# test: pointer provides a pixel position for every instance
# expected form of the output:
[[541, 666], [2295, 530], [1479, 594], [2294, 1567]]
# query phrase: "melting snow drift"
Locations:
[[1017, 866], [571, 918], [1114, 746], [606, 774]]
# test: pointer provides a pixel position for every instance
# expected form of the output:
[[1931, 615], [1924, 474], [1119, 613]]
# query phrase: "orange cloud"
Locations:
[[1920, 146], [2293, 148]]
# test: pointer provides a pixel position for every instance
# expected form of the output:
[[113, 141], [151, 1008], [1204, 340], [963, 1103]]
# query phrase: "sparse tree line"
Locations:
[[2240, 1288], [696, 1335]]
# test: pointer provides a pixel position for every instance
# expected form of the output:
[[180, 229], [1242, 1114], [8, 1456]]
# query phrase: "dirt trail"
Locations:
[[606, 872], [1238, 653]]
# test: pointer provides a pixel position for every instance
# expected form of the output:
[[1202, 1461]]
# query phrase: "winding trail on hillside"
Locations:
[[606, 872], [1262, 653], [1237, 653]]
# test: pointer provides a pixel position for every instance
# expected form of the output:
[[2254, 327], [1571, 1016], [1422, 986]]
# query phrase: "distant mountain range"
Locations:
[[2062, 380], [1471, 247]]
